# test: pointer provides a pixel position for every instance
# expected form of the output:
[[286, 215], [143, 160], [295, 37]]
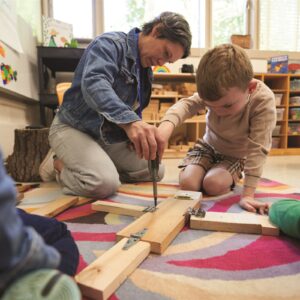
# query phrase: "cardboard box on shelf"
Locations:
[[276, 142], [276, 130], [280, 112], [278, 98]]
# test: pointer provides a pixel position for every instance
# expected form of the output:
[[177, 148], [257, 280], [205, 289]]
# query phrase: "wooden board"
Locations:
[[55, 207], [119, 208], [235, 222], [24, 187], [165, 223], [103, 276]]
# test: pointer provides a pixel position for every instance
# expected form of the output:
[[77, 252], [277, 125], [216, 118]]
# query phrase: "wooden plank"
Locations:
[[165, 223], [103, 277], [55, 207], [119, 208], [235, 222], [24, 187], [83, 200], [39, 197]]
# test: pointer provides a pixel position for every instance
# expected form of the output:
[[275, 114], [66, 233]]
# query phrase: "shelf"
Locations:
[[60, 59], [49, 100], [278, 83], [196, 119], [279, 90], [181, 77], [164, 96], [56, 60]]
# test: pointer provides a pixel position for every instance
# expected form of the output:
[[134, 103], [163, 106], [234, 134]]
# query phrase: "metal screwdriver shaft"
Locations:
[[153, 166]]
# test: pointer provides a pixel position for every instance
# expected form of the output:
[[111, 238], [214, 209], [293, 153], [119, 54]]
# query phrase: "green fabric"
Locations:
[[44, 284], [286, 215]]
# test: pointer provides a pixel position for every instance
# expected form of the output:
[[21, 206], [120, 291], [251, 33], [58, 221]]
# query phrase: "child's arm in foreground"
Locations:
[[22, 249]]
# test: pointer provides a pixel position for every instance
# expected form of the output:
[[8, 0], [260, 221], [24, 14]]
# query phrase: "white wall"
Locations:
[[14, 114]]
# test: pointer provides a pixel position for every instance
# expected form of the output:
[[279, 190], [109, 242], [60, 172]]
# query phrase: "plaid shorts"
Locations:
[[204, 155]]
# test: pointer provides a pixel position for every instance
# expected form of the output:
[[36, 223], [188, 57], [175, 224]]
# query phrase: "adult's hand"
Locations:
[[146, 139]]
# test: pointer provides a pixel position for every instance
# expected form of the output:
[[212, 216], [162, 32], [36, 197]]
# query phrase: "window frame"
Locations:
[[252, 16]]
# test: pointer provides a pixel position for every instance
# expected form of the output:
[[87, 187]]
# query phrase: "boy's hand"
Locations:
[[248, 203], [165, 130]]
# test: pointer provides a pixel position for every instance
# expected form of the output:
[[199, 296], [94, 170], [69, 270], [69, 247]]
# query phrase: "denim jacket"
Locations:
[[21, 248], [104, 90]]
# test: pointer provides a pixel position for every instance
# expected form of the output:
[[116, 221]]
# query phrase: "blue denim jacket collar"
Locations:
[[104, 89]]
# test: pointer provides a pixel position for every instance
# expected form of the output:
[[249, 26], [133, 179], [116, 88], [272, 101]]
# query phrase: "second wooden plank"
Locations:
[[165, 223]]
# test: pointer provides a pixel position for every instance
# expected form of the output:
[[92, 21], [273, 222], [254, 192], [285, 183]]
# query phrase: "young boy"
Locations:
[[31, 249], [241, 115]]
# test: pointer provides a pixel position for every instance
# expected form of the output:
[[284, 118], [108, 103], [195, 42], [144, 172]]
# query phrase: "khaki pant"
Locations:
[[91, 168]]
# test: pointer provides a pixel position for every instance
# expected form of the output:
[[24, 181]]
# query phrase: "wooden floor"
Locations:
[[285, 169]]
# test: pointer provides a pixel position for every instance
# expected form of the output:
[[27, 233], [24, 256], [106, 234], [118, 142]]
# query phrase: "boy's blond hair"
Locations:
[[221, 68]]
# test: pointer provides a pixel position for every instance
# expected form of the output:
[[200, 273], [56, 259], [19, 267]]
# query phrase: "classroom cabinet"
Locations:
[[169, 88], [50, 61]]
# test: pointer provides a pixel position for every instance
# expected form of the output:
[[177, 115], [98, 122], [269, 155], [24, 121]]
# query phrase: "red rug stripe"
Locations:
[[93, 236], [76, 212], [224, 205], [82, 264], [265, 252]]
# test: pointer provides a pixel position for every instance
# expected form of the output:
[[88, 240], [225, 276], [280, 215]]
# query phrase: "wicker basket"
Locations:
[[243, 41]]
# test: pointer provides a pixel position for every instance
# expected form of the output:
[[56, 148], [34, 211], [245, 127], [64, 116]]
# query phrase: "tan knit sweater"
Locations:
[[246, 135]]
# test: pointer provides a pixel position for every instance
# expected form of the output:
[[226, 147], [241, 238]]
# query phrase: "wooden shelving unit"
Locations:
[[286, 141]]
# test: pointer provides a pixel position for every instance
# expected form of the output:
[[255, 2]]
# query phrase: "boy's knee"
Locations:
[[215, 186], [189, 185]]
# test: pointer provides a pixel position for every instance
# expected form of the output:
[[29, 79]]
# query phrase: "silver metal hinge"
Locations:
[[183, 197], [197, 212], [134, 238]]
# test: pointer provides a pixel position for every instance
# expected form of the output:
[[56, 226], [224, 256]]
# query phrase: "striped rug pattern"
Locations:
[[198, 264]]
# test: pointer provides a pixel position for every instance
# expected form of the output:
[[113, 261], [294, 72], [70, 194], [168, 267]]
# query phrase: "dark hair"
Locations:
[[173, 27]]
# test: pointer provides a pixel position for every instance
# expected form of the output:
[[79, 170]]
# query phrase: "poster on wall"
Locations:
[[56, 33], [8, 25]]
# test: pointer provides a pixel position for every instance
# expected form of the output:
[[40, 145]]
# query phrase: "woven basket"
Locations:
[[243, 41]]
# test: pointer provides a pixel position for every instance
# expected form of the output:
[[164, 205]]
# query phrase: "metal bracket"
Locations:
[[197, 212], [134, 238], [150, 208], [183, 196]]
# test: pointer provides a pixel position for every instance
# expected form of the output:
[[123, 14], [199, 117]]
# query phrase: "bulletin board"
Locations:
[[18, 55]]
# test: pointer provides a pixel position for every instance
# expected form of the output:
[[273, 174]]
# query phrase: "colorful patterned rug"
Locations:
[[198, 264]]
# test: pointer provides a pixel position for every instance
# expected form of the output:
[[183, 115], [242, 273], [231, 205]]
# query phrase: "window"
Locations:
[[274, 25], [30, 11], [133, 13], [79, 13], [279, 25], [228, 17]]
